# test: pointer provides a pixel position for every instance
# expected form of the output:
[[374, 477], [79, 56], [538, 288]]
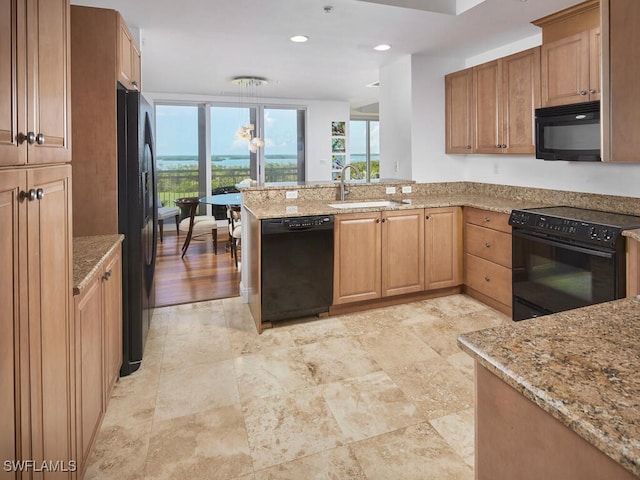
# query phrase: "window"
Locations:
[[364, 143], [189, 152], [177, 151]]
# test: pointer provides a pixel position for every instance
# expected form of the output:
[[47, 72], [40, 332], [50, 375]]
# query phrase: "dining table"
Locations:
[[222, 199]]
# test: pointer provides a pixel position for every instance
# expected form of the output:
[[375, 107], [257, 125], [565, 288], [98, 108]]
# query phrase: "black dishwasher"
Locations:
[[296, 266]]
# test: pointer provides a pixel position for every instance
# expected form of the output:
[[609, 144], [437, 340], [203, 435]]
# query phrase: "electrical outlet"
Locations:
[[291, 194], [406, 189], [391, 190]]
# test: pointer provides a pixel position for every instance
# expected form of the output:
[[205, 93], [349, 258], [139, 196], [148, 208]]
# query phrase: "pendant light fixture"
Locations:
[[249, 89]]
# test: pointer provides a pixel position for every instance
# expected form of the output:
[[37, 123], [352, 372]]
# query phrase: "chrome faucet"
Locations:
[[343, 191]]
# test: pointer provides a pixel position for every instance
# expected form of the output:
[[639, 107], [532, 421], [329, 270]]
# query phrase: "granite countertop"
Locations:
[[580, 366], [262, 210], [89, 254]]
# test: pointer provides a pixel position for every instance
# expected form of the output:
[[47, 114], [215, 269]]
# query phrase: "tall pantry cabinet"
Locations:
[[36, 348]]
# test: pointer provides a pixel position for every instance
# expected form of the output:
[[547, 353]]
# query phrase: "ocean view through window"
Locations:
[[188, 152], [364, 142]]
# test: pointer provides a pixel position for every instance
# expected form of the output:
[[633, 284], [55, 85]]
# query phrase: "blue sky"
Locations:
[[177, 131]]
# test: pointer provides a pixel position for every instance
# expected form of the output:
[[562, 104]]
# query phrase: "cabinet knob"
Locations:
[[487, 279], [468, 147], [39, 194], [582, 92], [31, 138], [498, 146], [106, 275], [40, 139], [488, 245], [383, 220], [487, 219], [503, 146], [30, 195], [377, 220], [427, 217], [592, 91]]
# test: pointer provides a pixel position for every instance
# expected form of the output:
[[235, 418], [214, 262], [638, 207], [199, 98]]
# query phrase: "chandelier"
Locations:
[[249, 87]]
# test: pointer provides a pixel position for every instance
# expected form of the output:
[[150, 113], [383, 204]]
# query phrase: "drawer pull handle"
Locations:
[[487, 279], [488, 245]]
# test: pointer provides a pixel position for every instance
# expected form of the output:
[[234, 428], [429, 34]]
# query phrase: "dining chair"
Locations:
[[195, 225], [235, 230], [165, 213]]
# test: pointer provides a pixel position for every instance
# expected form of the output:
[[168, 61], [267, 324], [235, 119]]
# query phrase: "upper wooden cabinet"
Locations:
[[128, 61], [506, 92], [34, 82], [570, 57], [571, 69], [620, 91], [459, 111]]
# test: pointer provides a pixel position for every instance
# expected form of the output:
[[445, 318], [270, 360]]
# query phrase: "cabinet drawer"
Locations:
[[488, 278], [484, 218], [489, 244]]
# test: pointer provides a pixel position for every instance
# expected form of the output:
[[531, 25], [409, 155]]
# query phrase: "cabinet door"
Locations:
[[49, 270], [357, 272], [402, 252], [112, 294], [487, 107], [620, 92], [595, 64], [128, 58], [11, 313], [12, 92], [48, 72], [521, 96], [459, 111], [443, 247], [89, 367], [565, 70]]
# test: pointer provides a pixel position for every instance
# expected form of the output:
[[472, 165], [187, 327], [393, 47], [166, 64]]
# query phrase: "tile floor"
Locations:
[[383, 394]]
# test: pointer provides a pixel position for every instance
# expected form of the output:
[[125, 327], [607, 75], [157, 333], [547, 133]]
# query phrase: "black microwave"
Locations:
[[569, 132]]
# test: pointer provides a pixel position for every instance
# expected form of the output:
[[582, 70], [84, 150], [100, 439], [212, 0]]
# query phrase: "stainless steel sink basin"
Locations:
[[365, 204]]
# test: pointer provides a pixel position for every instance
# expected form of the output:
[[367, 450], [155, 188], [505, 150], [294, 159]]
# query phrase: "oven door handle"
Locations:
[[594, 251]]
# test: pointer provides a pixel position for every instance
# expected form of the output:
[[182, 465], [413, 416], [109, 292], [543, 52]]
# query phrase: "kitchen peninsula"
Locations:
[[559, 396], [490, 202]]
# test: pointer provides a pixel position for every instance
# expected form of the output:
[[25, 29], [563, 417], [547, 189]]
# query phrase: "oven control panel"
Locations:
[[567, 228]]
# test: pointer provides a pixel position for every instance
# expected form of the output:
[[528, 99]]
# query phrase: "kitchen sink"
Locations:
[[366, 204]]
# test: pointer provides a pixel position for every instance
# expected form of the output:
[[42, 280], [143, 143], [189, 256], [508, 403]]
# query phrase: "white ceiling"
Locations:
[[197, 46]]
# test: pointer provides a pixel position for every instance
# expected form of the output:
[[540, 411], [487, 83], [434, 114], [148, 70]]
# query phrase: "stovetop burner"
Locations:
[[591, 226]]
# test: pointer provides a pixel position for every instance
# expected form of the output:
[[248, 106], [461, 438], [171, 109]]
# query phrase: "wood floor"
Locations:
[[199, 276]]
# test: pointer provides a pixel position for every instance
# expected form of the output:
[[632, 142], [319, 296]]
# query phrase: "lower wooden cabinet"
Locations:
[[378, 254], [37, 418], [443, 247], [487, 259], [98, 344]]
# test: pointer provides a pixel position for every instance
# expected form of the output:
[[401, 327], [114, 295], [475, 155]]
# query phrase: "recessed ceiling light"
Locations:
[[382, 48], [299, 38]]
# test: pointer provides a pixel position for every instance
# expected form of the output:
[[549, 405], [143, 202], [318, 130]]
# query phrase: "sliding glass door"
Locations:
[[199, 149]]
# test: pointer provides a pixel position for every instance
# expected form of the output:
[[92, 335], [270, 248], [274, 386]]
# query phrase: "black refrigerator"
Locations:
[[137, 220]]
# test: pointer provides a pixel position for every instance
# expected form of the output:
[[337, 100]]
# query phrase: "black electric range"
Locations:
[[565, 258]]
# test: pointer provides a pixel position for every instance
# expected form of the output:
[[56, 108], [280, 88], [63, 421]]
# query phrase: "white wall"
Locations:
[[430, 164], [319, 117], [396, 129]]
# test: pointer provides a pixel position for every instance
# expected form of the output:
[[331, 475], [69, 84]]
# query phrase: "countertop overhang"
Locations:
[[580, 366], [89, 254]]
